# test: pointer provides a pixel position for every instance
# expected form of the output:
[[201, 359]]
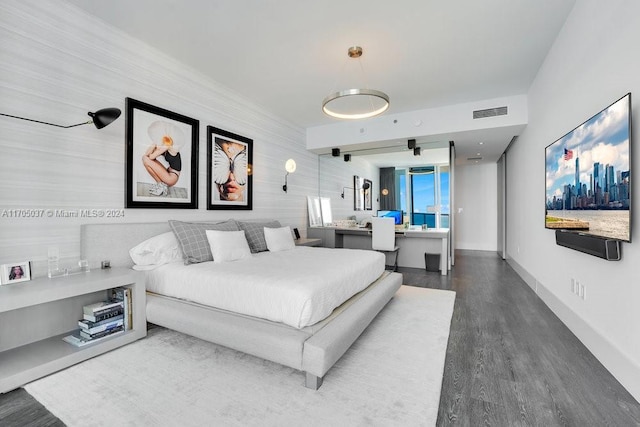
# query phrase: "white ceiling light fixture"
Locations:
[[354, 104]]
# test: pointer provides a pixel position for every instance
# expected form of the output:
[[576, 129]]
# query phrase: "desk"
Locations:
[[412, 243]]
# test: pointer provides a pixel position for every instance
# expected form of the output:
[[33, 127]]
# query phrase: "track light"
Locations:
[[347, 157], [335, 152], [411, 144], [416, 151]]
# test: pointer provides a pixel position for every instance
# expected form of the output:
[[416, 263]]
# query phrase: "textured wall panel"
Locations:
[[57, 63]]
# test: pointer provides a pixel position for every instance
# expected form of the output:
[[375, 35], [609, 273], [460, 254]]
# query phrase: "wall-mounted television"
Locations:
[[396, 215], [588, 176]]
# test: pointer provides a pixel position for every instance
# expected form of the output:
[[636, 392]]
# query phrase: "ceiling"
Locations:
[[287, 55]]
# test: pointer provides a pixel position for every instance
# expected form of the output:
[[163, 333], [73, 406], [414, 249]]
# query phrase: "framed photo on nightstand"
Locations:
[[15, 272]]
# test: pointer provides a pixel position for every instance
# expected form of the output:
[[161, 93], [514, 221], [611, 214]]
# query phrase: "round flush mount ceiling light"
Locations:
[[353, 104]]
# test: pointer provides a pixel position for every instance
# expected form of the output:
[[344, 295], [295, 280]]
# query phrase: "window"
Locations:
[[401, 191], [445, 207], [425, 197]]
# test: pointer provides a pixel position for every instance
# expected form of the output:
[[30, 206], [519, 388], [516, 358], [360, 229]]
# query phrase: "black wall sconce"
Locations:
[[290, 167], [100, 118], [347, 157], [365, 187]]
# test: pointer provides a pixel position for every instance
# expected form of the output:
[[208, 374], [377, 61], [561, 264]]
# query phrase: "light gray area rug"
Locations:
[[391, 376]]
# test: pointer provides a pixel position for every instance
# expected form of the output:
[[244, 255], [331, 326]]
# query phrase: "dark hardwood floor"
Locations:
[[510, 361], [19, 409]]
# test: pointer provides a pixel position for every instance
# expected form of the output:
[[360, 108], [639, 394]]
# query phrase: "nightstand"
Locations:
[[308, 242], [36, 315]]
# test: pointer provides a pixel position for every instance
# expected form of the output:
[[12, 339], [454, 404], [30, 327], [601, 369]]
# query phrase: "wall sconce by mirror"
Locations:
[[365, 187], [100, 118], [290, 167]]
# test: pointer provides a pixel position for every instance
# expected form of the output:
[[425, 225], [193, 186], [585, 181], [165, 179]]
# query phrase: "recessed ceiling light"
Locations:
[[480, 143]]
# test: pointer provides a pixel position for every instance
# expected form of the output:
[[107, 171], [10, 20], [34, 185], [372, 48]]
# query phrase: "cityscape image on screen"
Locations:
[[587, 176]]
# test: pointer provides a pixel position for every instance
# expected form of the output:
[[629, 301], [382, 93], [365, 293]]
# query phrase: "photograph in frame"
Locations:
[[229, 170], [15, 272], [162, 158]]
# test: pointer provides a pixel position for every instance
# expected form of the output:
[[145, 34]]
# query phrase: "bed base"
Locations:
[[312, 382], [313, 350]]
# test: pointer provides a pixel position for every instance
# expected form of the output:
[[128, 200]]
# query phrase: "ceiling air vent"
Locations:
[[490, 112], [474, 158]]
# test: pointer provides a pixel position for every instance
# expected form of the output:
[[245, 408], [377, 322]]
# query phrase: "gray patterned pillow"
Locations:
[[254, 231], [193, 238]]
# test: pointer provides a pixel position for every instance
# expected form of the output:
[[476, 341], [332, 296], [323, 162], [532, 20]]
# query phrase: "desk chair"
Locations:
[[383, 237]]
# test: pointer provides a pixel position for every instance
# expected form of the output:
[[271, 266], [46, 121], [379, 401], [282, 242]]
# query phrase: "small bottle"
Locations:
[[53, 257]]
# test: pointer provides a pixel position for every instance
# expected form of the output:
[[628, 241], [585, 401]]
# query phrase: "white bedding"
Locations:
[[298, 287]]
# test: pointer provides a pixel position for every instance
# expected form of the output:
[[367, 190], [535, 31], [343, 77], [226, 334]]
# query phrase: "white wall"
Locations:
[[57, 63], [476, 211], [591, 64]]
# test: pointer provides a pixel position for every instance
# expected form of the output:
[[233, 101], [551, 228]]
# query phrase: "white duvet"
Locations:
[[298, 287]]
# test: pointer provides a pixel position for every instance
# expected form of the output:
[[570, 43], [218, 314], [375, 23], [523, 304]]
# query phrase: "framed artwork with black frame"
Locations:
[[229, 170], [162, 158], [368, 191]]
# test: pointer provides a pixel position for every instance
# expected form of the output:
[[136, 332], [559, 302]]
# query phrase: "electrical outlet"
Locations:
[[580, 289]]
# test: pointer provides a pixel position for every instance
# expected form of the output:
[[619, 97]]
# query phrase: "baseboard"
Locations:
[[625, 370]]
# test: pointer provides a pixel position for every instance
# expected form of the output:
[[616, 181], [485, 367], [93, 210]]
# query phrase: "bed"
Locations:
[[300, 340]]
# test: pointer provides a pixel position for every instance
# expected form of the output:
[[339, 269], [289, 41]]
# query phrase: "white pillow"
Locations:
[[279, 239], [158, 250], [228, 245]]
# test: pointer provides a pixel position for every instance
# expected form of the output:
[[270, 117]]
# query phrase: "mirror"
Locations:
[[337, 172], [319, 211], [315, 215], [325, 209]]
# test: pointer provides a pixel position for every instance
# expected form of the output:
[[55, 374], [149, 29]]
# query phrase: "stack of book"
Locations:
[[104, 319]]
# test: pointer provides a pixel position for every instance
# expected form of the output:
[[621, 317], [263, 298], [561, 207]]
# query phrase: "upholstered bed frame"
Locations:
[[313, 349]]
